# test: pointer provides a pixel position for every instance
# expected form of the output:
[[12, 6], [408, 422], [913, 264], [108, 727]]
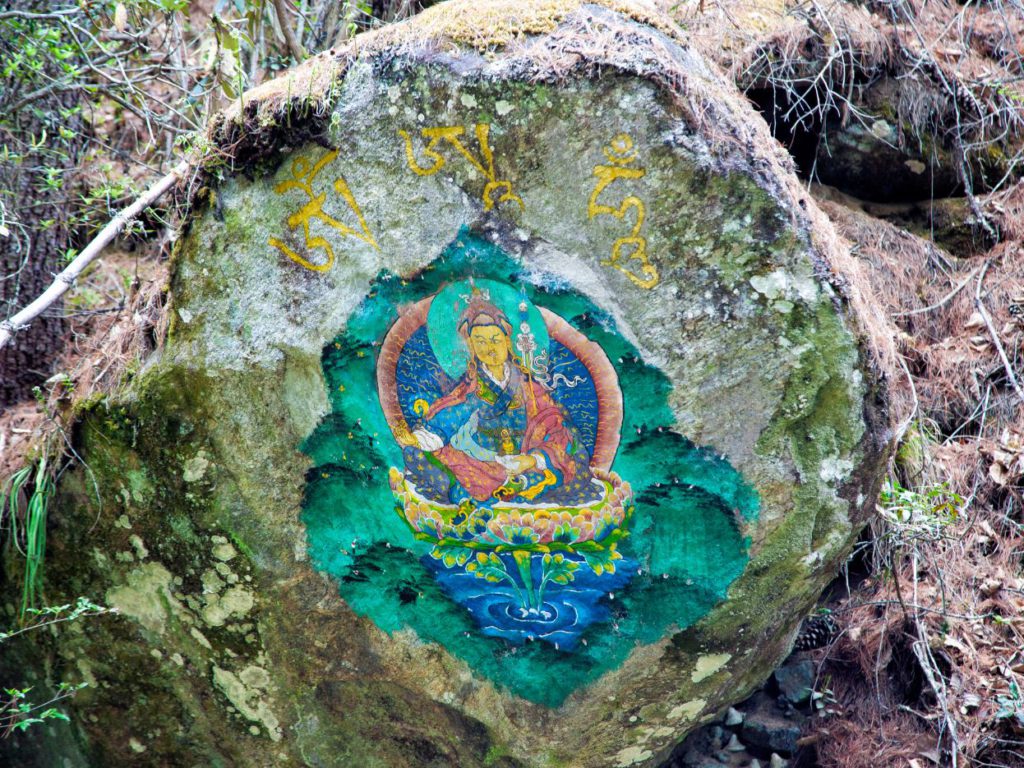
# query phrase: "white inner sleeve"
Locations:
[[427, 440]]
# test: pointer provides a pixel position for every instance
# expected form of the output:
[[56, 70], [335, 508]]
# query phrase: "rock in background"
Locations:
[[731, 297]]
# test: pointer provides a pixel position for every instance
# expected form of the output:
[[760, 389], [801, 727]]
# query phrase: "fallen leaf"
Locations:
[[990, 586], [952, 642], [120, 17], [975, 323]]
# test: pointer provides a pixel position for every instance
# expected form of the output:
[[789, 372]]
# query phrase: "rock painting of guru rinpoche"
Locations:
[[509, 421]]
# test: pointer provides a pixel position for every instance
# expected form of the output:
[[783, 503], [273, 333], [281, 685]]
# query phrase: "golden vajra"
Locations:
[[485, 164], [622, 157], [303, 174]]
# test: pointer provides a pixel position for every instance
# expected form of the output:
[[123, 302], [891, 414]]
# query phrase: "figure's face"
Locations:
[[490, 344]]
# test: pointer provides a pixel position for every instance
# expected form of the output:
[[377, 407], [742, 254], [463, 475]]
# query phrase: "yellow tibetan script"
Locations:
[[622, 159], [485, 163], [303, 174]]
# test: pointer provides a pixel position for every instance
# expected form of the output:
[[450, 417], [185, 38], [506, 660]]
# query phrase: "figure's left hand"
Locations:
[[519, 464]]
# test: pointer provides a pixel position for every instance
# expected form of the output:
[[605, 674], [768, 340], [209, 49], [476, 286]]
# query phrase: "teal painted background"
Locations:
[[685, 533]]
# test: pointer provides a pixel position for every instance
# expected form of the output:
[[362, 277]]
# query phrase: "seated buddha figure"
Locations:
[[497, 435]]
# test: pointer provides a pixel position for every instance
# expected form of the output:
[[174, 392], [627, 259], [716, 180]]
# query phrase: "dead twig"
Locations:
[[944, 300], [980, 305]]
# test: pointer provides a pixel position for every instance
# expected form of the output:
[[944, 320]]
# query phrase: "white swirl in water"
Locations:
[[552, 616]]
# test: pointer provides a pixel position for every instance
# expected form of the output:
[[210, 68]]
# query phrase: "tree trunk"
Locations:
[[30, 254]]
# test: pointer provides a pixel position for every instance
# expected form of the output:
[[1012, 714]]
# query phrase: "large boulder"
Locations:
[[516, 407]]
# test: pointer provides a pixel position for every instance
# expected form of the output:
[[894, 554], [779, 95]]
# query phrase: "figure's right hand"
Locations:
[[427, 441], [407, 440], [404, 436]]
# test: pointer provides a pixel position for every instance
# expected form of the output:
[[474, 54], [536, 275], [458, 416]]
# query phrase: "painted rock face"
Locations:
[[510, 415], [529, 510]]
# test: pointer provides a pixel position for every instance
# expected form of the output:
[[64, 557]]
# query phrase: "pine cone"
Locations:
[[816, 632]]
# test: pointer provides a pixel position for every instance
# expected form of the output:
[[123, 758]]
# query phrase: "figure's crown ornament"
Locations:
[[481, 311], [475, 292]]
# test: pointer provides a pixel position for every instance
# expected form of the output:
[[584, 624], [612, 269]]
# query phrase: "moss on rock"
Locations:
[[232, 646]]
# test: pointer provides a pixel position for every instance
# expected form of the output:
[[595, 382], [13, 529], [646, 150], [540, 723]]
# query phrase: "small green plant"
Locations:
[[922, 514], [1011, 707], [17, 711], [356, 10], [823, 699], [28, 532], [57, 614], [24, 506]]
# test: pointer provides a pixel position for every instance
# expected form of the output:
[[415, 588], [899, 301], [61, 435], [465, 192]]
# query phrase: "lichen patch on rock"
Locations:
[[146, 596]]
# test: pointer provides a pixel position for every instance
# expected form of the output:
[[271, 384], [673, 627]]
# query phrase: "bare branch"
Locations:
[[28, 16], [70, 273], [995, 336], [289, 34]]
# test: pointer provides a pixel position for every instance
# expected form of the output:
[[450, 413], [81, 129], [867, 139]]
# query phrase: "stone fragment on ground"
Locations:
[[763, 730], [795, 680], [767, 728]]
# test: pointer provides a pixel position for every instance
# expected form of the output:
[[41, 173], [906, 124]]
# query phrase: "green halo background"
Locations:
[[447, 306]]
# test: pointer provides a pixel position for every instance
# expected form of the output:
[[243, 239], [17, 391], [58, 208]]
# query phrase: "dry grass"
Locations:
[[881, 741], [929, 668], [932, 298], [956, 613], [117, 318], [930, 662], [19, 431], [488, 26], [124, 321], [946, 75]]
